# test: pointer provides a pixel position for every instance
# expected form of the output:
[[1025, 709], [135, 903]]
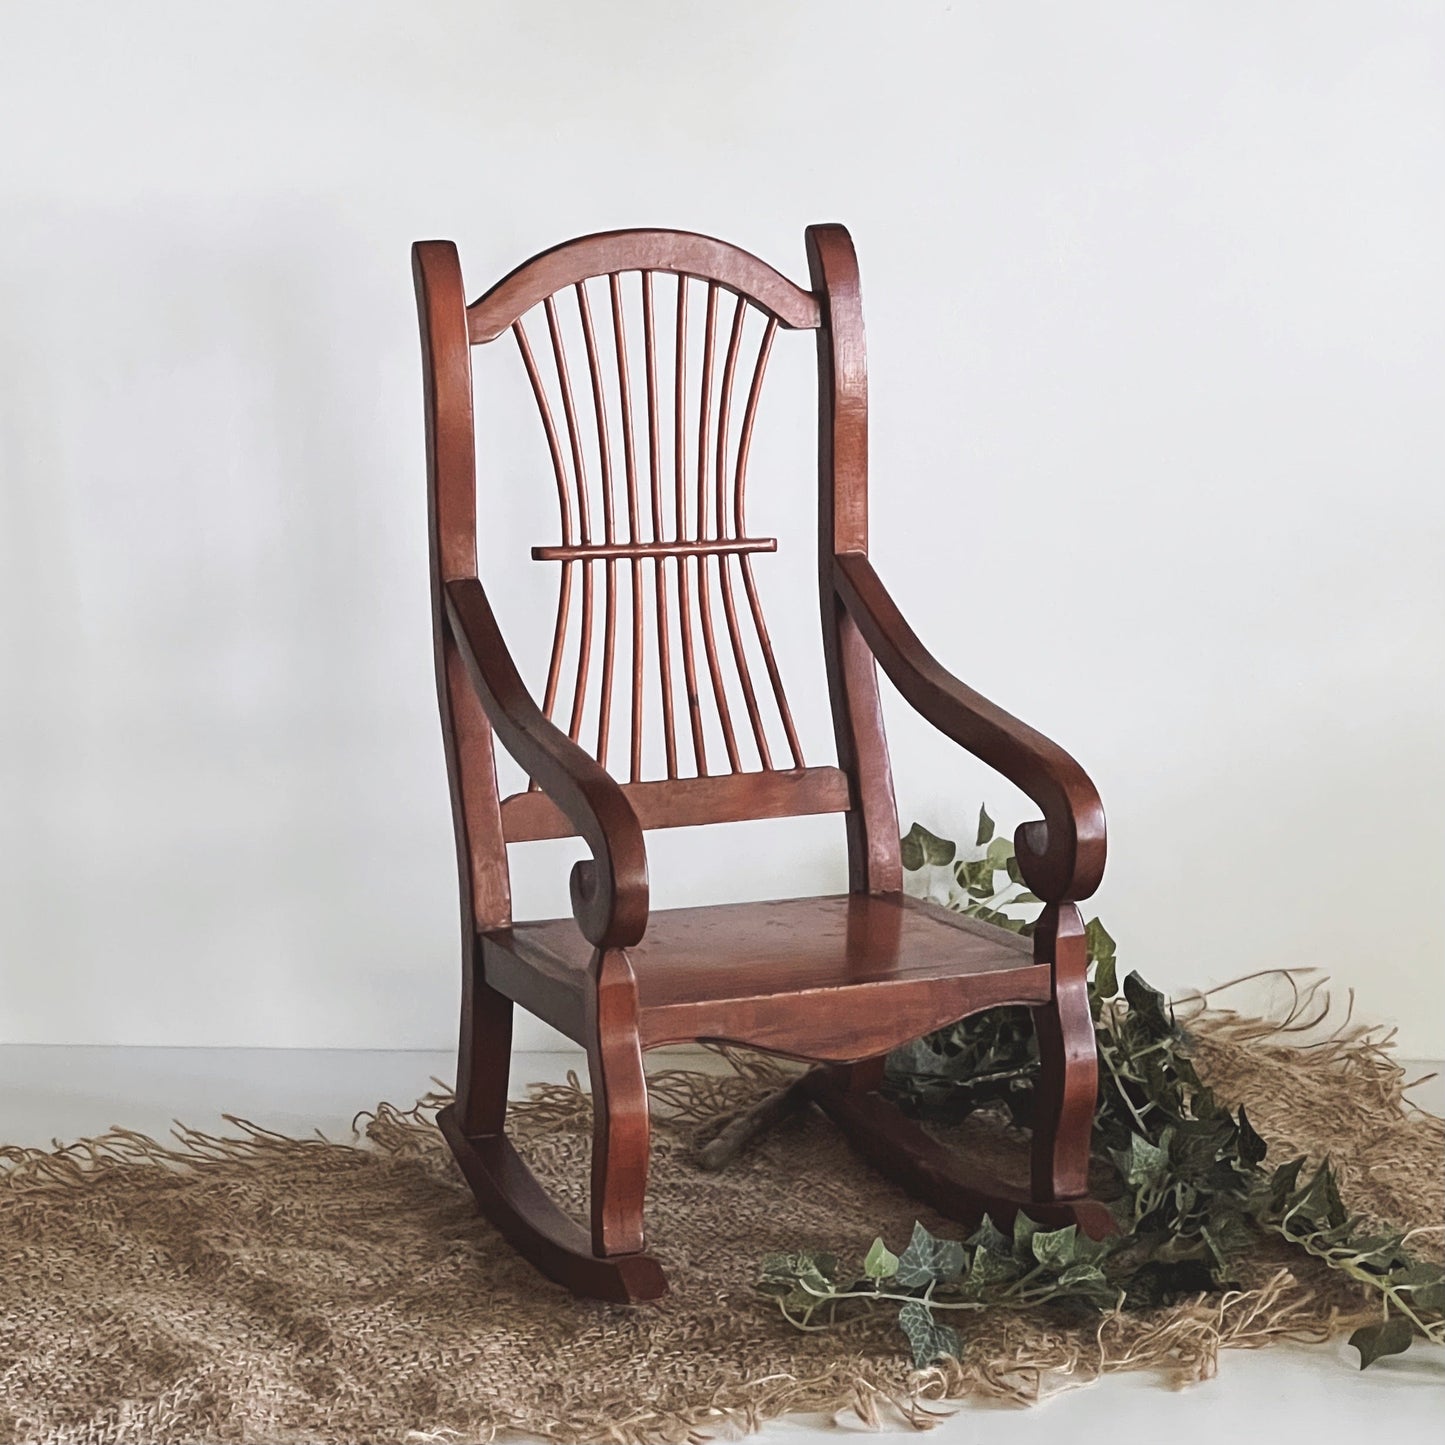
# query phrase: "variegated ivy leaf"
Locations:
[[928, 1259], [1024, 1231], [988, 1236], [928, 1339], [918, 846], [1143, 1164], [975, 875], [1089, 1283], [811, 1271], [1056, 1248], [988, 1269]]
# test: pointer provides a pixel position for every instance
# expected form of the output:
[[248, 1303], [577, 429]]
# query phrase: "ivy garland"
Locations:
[[1194, 1195]]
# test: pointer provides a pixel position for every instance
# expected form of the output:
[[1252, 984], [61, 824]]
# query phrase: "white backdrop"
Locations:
[[1156, 324]]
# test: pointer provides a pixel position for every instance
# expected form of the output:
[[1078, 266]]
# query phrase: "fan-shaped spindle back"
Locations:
[[705, 533]]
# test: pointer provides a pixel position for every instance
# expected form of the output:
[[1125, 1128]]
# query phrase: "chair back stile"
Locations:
[[452, 545]]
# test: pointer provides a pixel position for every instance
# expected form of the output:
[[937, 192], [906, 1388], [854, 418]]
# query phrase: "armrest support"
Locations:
[[609, 895], [1061, 857]]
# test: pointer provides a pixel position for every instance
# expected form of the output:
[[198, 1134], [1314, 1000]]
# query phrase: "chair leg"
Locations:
[[621, 1137], [866, 1076], [1067, 1091], [1065, 1099], [509, 1194], [484, 1054]]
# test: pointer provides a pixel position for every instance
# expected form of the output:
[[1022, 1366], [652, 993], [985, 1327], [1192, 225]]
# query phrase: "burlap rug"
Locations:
[[261, 1288]]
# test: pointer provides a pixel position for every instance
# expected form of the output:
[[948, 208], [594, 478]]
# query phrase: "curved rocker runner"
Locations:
[[672, 333]]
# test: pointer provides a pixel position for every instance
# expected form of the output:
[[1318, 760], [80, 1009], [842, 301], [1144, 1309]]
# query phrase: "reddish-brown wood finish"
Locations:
[[838, 981]]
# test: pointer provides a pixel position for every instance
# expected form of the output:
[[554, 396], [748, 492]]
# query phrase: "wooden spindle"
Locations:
[[659, 565], [745, 443], [684, 600], [584, 516], [724, 560], [564, 503], [634, 521], [704, 592], [609, 527]]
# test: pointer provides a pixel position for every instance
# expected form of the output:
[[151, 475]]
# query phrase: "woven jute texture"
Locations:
[[262, 1288]]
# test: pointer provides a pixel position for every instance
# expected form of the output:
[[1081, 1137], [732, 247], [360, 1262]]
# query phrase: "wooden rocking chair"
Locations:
[[837, 981]]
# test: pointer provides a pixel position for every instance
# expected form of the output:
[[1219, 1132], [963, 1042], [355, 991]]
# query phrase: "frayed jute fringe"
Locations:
[[263, 1288]]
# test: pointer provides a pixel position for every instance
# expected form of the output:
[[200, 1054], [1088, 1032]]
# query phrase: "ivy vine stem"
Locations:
[[1347, 1262]]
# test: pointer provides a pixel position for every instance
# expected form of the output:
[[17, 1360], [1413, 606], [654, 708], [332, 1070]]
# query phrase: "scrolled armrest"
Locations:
[[609, 894], [1061, 857]]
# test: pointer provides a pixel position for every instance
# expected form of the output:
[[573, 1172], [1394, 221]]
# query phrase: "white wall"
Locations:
[[1155, 313]]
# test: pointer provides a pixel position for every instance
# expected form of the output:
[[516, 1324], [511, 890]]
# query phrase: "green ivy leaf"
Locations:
[[1024, 1231], [918, 846], [976, 876], [799, 1279], [1148, 1007], [1389, 1337], [880, 1262], [1382, 1252], [1142, 1164], [1252, 1148], [1319, 1205], [1419, 1279], [1283, 1183], [985, 828], [1056, 1248], [990, 1238], [1096, 939], [1425, 1283], [1106, 979], [928, 1259], [1088, 1282], [928, 1339], [989, 1269]]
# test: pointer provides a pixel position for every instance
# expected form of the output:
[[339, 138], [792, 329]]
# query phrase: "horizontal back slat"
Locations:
[[685, 802]]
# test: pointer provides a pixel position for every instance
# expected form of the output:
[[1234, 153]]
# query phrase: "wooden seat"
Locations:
[[873, 964], [645, 352]]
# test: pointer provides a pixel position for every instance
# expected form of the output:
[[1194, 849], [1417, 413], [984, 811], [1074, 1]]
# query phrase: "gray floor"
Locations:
[[1308, 1394]]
